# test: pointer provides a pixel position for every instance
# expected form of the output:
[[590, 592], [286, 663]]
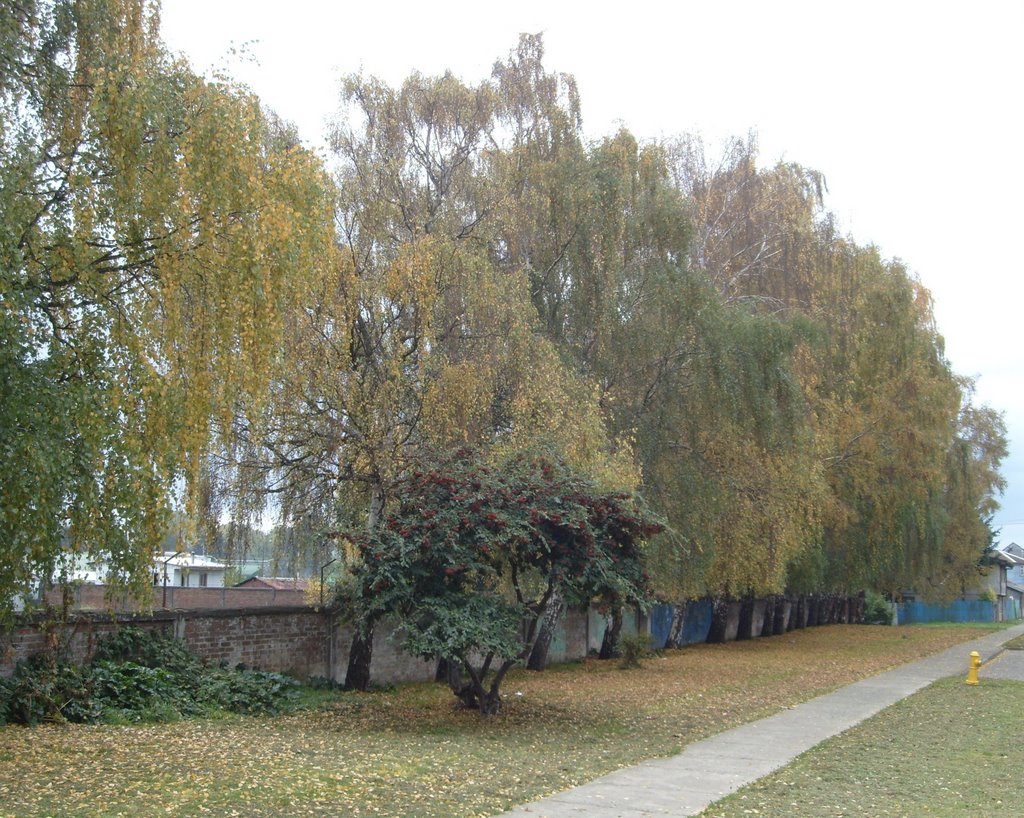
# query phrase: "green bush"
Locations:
[[128, 691], [137, 676], [247, 691], [5, 698], [148, 648], [42, 689], [633, 650], [876, 610]]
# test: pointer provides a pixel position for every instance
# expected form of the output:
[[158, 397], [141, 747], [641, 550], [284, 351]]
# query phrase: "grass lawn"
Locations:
[[951, 750], [408, 752]]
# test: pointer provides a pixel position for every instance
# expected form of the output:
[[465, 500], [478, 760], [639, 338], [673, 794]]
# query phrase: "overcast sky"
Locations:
[[912, 110]]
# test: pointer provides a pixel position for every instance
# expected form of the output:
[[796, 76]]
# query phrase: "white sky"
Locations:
[[912, 110]]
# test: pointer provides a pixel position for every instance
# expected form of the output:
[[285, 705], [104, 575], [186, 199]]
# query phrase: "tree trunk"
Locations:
[[746, 618], [799, 607], [779, 623], [768, 622], [678, 629], [610, 643], [474, 695], [812, 610], [357, 677], [858, 614], [719, 620], [549, 621], [449, 673]]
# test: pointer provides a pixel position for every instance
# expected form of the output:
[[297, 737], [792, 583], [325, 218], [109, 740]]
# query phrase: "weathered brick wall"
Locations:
[[75, 640], [287, 640], [95, 598], [301, 641], [388, 664]]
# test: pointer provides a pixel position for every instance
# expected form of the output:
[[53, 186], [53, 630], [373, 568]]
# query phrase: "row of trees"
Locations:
[[195, 312]]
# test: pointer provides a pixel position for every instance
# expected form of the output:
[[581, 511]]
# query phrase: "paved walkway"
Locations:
[[708, 770]]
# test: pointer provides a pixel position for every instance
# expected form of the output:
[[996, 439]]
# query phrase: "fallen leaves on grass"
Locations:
[[950, 750], [410, 754]]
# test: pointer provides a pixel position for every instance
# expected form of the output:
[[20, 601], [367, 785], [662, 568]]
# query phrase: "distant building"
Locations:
[[1010, 560], [183, 569], [275, 583], [1014, 574]]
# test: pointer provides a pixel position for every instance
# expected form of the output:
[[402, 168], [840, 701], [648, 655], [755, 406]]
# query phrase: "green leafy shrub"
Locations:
[[876, 610], [247, 691], [633, 649], [5, 698], [148, 648], [136, 676], [42, 689], [139, 693], [471, 556]]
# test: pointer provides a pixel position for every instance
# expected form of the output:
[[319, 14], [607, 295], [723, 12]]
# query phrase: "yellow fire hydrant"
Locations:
[[972, 673]]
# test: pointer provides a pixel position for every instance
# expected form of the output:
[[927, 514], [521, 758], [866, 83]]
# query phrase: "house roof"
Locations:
[[1006, 559], [183, 559], [1012, 548], [277, 583]]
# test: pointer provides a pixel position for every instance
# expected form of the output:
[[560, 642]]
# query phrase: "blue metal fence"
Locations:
[[695, 627], [962, 610], [661, 624]]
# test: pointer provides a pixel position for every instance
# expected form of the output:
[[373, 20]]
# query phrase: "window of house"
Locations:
[[202, 580]]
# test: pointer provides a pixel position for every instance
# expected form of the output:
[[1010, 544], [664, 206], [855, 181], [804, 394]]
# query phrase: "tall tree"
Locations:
[[154, 227], [420, 342]]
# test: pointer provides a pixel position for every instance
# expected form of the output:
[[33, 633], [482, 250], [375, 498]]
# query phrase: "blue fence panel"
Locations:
[[698, 622], [661, 624], [962, 610], [695, 628]]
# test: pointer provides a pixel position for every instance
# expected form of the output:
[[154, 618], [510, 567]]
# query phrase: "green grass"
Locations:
[[974, 626], [407, 753], [1016, 643], [951, 750]]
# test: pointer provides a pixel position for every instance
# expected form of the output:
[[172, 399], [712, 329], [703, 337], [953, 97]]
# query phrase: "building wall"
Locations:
[[194, 578]]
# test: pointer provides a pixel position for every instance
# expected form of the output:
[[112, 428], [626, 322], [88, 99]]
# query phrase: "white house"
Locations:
[[1014, 573], [179, 568], [187, 570]]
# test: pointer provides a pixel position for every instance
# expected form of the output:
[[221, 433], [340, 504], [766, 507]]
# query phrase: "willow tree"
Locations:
[[968, 501], [881, 400], [419, 343], [154, 227], [886, 408]]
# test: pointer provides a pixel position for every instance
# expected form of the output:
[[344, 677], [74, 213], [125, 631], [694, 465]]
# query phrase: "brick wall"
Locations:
[[388, 664], [99, 598], [302, 641], [75, 640], [287, 640]]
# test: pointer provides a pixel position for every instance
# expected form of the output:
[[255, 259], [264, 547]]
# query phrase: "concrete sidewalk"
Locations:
[[708, 770]]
